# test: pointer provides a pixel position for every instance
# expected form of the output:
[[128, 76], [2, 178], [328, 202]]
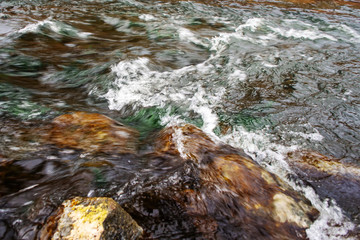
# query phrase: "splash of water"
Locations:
[[48, 26]]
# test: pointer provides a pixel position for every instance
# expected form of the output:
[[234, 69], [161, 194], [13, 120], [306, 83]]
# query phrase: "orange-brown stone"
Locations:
[[92, 132], [235, 189], [188, 141]]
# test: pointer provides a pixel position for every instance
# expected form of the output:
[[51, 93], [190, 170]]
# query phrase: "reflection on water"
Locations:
[[270, 77]]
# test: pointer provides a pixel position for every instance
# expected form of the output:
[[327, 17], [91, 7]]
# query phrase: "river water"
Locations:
[[269, 77]]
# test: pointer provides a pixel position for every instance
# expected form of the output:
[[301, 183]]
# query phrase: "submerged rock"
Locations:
[[330, 178], [90, 218], [92, 132], [235, 197]]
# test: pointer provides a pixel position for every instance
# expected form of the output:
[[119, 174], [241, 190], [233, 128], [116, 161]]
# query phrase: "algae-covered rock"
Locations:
[[330, 178], [90, 219], [92, 132], [234, 192]]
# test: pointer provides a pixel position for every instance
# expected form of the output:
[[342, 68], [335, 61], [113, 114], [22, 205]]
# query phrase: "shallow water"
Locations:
[[269, 77]]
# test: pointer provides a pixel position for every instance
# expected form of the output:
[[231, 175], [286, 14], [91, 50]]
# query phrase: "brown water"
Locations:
[[267, 76]]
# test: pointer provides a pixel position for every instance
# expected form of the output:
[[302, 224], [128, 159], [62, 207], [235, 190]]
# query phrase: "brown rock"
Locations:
[[235, 192], [92, 132], [90, 219], [330, 178], [187, 141]]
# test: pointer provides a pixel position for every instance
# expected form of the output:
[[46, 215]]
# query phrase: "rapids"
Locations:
[[270, 77]]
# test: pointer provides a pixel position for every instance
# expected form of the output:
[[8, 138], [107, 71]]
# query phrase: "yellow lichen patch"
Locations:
[[287, 210], [91, 219], [80, 221]]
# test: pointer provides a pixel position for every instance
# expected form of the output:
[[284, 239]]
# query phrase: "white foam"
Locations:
[[299, 34], [138, 86], [171, 120], [355, 36], [147, 17], [202, 104], [222, 41], [237, 75], [188, 36], [316, 136], [269, 65], [111, 20], [264, 31], [178, 139], [331, 224], [252, 24], [55, 26]]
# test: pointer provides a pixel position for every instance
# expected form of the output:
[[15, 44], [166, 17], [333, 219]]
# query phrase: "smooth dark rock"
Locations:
[[330, 178]]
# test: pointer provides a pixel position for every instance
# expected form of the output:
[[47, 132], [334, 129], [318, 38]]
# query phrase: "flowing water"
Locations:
[[268, 77]]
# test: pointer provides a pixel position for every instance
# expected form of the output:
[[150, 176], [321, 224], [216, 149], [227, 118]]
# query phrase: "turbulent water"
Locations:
[[266, 77]]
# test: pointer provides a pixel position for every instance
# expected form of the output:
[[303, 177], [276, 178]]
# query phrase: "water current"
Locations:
[[268, 77]]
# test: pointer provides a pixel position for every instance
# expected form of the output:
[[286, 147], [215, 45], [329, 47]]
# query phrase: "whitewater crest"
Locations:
[[49, 27], [137, 85]]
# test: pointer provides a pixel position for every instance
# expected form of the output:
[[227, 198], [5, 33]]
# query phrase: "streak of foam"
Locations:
[[307, 34], [263, 32], [178, 137], [331, 224], [354, 35], [221, 42], [55, 26]]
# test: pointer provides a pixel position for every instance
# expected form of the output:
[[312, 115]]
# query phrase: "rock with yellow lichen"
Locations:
[[234, 192], [90, 219], [330, 178], [92, 132]]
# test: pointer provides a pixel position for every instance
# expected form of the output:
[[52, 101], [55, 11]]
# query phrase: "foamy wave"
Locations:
[[147, 17], [139, 86], [264, 31], [188, 36], [54, 26], [352, 33], [306, 34]]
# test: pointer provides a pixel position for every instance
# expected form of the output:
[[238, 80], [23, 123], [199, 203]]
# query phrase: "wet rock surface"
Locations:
[[92, 132], [222, 190], [184, 186], [330, 178], [91, 218]]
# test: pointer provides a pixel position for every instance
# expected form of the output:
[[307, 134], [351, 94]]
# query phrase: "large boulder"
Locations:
[[92, 132], [234, 192], [330, 178], [90, 219]]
